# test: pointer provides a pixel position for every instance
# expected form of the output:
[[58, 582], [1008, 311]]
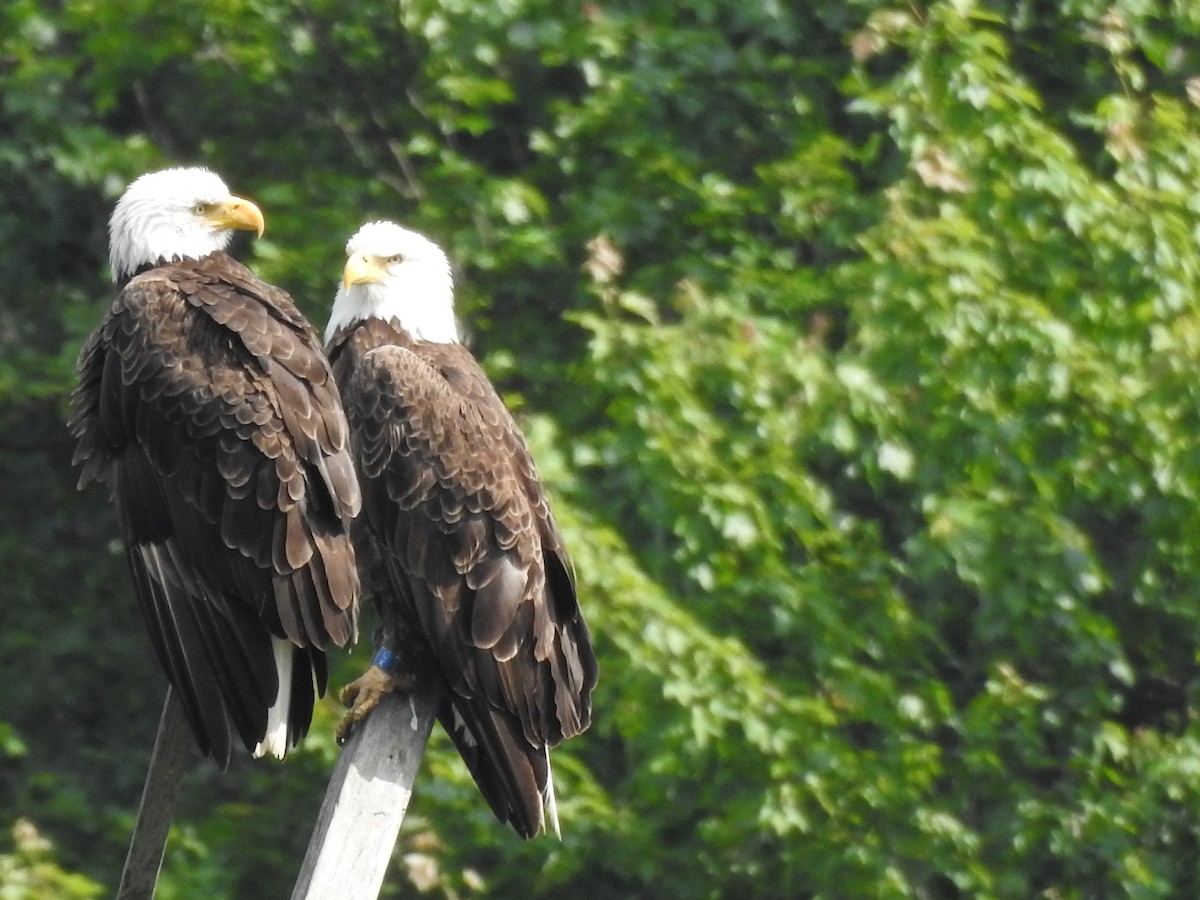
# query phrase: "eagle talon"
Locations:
[[363, 694]]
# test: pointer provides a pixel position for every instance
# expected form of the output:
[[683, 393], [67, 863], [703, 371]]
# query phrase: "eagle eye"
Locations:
[[202, 208], [392, 260]]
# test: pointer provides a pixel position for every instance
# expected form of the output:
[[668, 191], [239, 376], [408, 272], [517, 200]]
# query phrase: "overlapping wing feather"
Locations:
[[204, 400], [452, 498]]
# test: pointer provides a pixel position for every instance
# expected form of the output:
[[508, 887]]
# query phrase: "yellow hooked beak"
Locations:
[[363, 269], [239, 213]]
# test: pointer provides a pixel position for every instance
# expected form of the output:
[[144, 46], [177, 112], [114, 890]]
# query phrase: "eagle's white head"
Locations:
[[393, 273], [182, 213]]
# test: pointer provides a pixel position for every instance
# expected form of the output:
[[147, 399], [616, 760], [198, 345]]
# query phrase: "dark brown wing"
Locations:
[[452, 495], [205, 402]]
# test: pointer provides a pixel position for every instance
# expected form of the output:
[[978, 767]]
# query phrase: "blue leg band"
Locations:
[[385, 659]]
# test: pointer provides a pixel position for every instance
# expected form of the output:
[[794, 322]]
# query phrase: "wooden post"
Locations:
[[168, 762], [365, 802]]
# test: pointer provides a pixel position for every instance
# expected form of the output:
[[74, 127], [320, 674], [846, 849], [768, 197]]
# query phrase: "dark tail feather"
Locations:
[[512, 774]]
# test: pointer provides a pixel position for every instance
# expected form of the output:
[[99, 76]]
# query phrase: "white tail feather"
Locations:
[[276, 739], [548, 801]]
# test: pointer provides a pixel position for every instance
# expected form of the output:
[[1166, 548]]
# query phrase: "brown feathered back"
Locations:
[[471, 557], [205, 402]]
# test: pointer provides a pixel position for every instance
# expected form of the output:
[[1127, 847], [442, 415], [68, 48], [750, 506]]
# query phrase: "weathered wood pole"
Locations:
[[168, 762], [365, 802]]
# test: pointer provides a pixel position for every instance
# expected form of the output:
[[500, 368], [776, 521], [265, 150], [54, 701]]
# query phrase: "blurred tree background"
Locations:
[[857, 341]]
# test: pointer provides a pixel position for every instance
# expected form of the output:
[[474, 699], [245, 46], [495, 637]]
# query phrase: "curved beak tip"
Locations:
[[240, 213]]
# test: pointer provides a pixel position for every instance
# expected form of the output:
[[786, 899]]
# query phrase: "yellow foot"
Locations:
[[363, 694]]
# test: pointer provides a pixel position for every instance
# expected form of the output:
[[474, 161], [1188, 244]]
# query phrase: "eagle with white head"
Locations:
[[205, 403], [469, 569]]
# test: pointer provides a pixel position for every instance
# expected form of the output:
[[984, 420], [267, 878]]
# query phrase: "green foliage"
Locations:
[[28, 872], [857, 342]]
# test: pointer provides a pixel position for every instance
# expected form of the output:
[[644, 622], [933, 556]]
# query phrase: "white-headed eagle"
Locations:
[[205, 403], [456, 539]]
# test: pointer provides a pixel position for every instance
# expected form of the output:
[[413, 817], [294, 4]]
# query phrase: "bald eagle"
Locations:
[[205, 403], [468, 567]]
